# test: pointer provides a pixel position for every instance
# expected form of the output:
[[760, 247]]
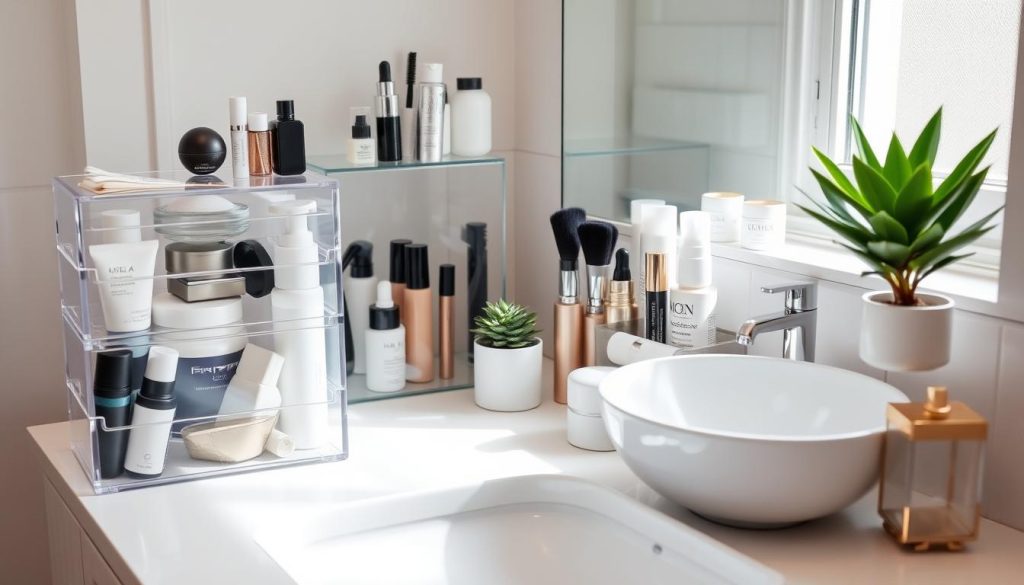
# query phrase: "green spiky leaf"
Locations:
[[506, 325]]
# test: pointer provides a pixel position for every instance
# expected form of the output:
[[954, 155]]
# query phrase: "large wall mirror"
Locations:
[[673, 98]]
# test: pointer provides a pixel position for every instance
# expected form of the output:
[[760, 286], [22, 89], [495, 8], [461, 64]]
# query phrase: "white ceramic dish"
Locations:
[[749, 441], [536, 529]]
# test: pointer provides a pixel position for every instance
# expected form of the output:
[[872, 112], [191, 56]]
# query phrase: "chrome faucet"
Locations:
[[797, 321]]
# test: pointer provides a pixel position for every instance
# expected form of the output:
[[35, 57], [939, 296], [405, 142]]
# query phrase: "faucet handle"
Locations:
[[800, 296]]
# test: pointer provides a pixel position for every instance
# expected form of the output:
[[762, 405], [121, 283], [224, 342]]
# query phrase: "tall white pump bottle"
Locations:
[[297, 306]]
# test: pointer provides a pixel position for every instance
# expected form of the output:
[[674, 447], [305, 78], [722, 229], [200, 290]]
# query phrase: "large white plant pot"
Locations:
[[906, 339], [507, 380]]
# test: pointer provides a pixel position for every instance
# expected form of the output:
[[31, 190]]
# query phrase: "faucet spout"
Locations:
[[798, 329]]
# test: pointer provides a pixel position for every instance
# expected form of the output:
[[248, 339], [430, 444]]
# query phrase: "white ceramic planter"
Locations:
[[906, 339], [507, 380]]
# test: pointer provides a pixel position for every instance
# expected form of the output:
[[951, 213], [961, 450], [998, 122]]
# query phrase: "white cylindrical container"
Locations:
[[906, 339], [152, 415], [583, 416], [726, 211], [659, 232], [507, 380], [208, 356], [430, 114], [297, 307], [385, 344], [636, 253], [471, 118], [764, 224], [238, 114], [691, 323]]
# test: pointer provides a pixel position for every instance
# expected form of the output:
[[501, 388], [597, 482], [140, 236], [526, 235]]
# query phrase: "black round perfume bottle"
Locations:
[[201, 150]]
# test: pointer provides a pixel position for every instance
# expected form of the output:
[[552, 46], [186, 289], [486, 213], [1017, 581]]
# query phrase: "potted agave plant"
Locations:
[[893, 218], [507, 358]]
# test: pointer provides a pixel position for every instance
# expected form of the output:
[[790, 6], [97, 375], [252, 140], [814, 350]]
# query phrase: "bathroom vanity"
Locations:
[[205, 531]]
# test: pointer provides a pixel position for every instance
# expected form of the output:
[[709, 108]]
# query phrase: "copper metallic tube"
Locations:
[[446, 326], [419, 336], [568, 346], [398, 297], [590, 323]]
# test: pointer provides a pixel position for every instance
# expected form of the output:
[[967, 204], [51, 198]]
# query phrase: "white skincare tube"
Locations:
[[238, 111], [124, 269], [636, 253], [624, 349]]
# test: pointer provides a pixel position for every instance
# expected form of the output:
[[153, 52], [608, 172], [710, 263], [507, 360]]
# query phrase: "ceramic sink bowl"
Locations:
[[749, 441]]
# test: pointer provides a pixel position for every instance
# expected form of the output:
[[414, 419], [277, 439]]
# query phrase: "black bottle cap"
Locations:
[[285, 110], [469, 83], [359, 255], [382, 319], [447, 280], [398, 260], [475, 233], [252, 254], [113, 374], [361, 129], [622, 265], [417, 267]]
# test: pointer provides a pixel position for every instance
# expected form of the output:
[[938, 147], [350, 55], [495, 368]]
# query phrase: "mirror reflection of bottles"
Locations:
[[691, 322]]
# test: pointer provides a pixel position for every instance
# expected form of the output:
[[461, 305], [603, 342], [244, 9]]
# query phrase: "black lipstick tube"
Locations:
[[389, 124]]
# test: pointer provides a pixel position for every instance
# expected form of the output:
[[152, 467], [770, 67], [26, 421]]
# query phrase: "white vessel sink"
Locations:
[[749, 441], [532, 529]]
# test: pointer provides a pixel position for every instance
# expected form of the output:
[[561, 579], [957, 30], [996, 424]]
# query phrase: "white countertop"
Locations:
[[201, 532]]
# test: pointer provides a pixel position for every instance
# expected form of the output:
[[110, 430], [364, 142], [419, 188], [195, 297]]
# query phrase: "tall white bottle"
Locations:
[[636, 253], [360, 288], [385, 344], [297, 306], [239, 138], [658, 234], [152, 415], [691, 319]]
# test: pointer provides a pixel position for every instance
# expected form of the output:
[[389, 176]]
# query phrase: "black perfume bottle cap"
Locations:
[[361, 129], [464, 83], [113, 374], [447, 280], [398, 260], [417, 267], [285, 110], [475, 233], [384, 314]]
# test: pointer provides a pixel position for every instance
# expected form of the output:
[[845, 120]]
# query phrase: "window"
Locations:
[[891, 64]]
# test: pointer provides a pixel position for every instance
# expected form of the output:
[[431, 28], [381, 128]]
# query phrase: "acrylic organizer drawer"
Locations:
[[203, 328]]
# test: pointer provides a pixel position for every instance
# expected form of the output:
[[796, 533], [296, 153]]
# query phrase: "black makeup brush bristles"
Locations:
[[598, 241], [564, 224], [622, 265], [410, 78]]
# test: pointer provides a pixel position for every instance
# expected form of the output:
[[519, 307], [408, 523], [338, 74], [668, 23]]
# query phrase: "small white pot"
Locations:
[[507, 380], [906, 339]]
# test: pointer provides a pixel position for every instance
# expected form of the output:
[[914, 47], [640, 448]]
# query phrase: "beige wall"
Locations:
[[42, 137]]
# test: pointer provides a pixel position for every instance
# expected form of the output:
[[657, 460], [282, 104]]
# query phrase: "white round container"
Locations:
[[764, 224], [209, 346], [507, 380], [471, 118], [584, 424], [906, 339], [726, 211]]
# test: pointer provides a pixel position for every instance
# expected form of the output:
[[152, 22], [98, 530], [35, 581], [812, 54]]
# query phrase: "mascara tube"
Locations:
[[475, 235], [656, 296]]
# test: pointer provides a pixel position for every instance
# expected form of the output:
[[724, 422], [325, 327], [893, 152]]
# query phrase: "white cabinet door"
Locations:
[[65, 540], [96, 570]]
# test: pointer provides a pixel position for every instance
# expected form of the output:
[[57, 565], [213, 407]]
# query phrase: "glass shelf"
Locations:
[[339, 163], [627, 145], [463, 378]]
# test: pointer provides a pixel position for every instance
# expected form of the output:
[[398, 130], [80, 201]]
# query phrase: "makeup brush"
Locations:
[[568, 311], [621, 293], [597, 238]]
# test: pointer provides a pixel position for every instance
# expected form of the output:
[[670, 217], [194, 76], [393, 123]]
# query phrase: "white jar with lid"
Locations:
[[726, 212], [583, 415], [471, 118], [209, 341], [764, 224]]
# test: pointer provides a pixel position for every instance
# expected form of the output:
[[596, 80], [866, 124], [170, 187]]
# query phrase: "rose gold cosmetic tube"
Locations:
[[398, 297], [568, 346], [419, 316], [590, 323], [259, 144], [446, 321]]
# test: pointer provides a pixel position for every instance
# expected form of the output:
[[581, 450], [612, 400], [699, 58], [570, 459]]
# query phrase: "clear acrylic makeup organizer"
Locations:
[[426, 202], [77, 213]]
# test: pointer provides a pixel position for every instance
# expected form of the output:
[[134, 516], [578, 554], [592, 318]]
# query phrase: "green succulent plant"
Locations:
[[506, 325], [892, 218]]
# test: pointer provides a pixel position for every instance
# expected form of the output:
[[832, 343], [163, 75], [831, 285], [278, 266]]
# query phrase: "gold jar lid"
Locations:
[[937, 419]]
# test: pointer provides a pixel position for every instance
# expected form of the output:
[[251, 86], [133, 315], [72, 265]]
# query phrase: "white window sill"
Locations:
[[973, 290]]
